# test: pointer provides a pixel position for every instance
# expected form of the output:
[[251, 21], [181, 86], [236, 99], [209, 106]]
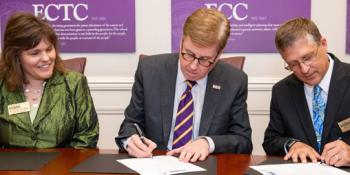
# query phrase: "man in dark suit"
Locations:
[[209, 95], [309, 108]]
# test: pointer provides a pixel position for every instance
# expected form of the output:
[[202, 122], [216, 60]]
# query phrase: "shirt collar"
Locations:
[[324, 84], [180, 79]]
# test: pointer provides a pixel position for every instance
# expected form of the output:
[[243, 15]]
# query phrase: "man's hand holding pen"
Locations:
[[139, 146], [336, 153]]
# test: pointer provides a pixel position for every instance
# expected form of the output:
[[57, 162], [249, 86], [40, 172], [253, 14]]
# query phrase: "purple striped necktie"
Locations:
[[184, 118]]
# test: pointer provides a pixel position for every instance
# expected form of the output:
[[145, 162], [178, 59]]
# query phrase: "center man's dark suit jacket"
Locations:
[[290, 116], [224, 117]]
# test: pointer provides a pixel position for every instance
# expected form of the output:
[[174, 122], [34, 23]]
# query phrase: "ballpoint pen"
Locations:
[[142, 137], [139, 132]]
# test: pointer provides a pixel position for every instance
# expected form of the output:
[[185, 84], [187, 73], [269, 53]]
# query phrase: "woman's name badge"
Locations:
[[18, 108]]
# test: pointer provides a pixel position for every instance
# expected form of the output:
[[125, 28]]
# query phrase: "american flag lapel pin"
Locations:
[[217, 87]]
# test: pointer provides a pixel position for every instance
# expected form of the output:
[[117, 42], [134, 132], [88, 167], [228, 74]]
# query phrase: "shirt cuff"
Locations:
[[210, 142], [125, 142], [288, 144], [285, 147]]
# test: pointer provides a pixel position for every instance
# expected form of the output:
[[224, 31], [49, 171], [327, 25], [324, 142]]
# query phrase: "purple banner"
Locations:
[[253, 23], [348, 27], [82, 25]]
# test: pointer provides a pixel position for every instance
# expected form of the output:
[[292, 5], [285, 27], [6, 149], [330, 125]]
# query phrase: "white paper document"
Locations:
[[299, 169], [159, 165]]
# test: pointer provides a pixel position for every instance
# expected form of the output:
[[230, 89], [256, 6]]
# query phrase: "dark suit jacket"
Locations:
[[290, 117], [224, 117]]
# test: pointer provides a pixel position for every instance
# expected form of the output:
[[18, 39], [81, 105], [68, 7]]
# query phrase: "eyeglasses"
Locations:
[[203, 61], [306, 60]]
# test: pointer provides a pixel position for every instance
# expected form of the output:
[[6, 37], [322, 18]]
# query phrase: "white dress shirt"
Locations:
[[324, 84], [198, 94]]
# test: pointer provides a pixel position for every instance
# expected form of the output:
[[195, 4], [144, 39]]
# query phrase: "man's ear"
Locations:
[[323, 43]]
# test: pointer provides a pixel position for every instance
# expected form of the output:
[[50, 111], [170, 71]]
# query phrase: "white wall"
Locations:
[[111, 75]]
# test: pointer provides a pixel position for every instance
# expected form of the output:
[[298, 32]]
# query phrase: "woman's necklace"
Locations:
[[33, 95]]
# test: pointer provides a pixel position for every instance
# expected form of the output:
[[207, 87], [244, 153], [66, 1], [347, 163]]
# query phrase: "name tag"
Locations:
[[344, 125], [18, 108], [217, 87]]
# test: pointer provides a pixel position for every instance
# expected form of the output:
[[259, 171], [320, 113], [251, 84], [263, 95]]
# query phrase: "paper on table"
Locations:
[[298, 168], [162, 165]]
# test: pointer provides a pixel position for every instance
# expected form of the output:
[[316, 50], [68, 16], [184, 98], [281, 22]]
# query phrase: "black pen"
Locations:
[[139, 132], [142, 137]]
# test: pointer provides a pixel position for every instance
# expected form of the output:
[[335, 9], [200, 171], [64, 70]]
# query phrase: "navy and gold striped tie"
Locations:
[[184, 118]]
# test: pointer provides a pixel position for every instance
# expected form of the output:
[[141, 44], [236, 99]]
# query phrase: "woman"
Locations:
[[41, 105]]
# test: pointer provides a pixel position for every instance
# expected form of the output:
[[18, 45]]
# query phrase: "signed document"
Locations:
[[159, 165]]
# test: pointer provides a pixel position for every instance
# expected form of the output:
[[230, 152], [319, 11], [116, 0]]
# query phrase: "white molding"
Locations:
[[259, 111], [110, 111], [261, 83], [125, 83], [110, 83]]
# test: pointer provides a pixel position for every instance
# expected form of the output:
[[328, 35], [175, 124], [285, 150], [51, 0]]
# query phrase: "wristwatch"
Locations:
[[290, 143]]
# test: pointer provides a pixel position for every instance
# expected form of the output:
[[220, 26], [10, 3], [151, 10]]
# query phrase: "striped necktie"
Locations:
[[318, 110], [184, 118]]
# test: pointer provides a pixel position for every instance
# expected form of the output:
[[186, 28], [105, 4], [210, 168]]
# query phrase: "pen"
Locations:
[[139, 132], [142, 137]]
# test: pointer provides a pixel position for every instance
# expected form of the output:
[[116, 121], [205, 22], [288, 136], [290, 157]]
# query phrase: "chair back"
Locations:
[[75, 64], [235, 61]]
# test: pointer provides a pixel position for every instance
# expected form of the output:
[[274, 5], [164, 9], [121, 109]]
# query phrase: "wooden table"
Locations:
[[227, 164]]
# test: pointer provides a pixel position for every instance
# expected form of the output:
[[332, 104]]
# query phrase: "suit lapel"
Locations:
[[339, 83], [167, 93], [304, 118], [49, 99], [212, 95]]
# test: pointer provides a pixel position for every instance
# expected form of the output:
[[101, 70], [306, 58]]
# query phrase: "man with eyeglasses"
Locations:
[[189, 103], [309, 111]]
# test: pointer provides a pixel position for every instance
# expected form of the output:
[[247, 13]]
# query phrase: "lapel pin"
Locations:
[[217, 87]]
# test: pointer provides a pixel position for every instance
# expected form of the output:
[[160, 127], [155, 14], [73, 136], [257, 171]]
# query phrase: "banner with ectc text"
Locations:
[[82, 25]]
